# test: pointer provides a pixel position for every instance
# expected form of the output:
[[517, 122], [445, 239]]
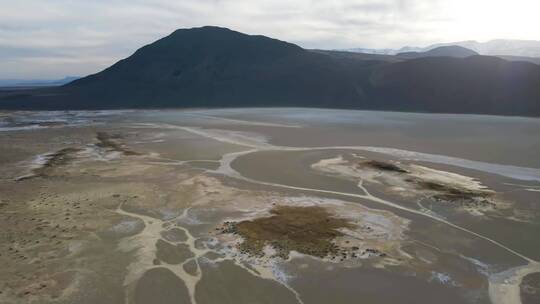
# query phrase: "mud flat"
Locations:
[[162, 286], [370, 285], [530, 288], [217, 287], [206, 207], [508, 286]]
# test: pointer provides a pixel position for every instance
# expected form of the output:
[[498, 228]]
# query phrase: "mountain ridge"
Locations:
[[36, 82], [218, 67], [497, 47], [441, 51]]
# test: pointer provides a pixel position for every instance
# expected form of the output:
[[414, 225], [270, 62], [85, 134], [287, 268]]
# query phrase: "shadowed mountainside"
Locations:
[[217, 67], [476, 84]]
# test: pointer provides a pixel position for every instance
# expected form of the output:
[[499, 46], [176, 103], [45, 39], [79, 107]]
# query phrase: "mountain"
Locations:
[[476, 84], [442, 51], [218, 67], [519, 50], [213, 66], [499, 47], [36, 82], [371, 51], [535, 60], [355, 57]]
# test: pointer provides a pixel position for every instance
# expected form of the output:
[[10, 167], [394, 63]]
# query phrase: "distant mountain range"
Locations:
[[514, 50], [441, 51], [36, 82], [502, 47], [218, 67]]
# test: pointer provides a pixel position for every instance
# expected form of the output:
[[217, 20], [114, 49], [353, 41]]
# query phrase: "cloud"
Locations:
[[47, 39]]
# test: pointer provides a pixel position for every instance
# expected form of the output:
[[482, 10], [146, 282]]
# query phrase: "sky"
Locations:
[[51, 39]]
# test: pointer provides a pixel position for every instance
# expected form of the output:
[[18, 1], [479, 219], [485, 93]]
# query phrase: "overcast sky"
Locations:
[[54, 38]]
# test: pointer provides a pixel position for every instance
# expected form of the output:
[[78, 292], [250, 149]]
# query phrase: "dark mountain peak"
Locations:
[[194, 49], [205, 28], [209, 33], [223, 37], [452, 51]]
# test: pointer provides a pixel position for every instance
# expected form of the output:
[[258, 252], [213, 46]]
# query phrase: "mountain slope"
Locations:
[[476, 84], [217, 67]]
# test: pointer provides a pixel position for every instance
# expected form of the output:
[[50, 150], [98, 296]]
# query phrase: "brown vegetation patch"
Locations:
[[448, 193], [51, 124], [53, 160], [107, 141], [60, 158], [384, 166], [309, 230]]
